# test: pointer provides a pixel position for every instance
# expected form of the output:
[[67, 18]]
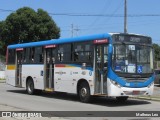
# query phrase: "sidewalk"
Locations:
[[4, 107], [2, 81], [7, 108], [154, 97]]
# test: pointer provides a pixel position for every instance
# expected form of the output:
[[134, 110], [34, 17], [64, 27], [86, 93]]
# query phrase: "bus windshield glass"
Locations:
[[132, 58]]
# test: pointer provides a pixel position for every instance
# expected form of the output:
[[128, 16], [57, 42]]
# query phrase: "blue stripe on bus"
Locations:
[[62, 41], [32, 64], [123, 83], [142, 84]]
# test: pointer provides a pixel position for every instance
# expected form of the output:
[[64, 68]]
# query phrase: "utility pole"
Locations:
[[125, 16], [74, 30]]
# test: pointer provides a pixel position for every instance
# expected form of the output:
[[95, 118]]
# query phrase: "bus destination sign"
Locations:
[[133, 39]]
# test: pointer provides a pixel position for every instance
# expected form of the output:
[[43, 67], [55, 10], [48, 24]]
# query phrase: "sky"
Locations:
[[87, 17]]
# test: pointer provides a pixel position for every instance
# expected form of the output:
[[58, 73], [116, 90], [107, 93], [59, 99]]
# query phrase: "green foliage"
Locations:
[[27, 25], [156, 52], [3, 37]]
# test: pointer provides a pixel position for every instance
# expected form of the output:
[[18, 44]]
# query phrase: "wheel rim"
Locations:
[[83, 92], [30, 87]]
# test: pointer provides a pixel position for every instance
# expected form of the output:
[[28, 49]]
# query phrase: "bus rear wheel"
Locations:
[[30, 86], [84, 92]]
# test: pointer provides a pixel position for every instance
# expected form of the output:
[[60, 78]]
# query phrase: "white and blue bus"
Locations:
[[115, 65]]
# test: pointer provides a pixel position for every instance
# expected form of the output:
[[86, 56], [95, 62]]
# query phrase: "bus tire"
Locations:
[[30, 86], [122, 99], [84, 92]]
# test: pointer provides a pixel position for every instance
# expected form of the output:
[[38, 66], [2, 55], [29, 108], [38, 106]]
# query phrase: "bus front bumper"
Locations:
[[117, 90]]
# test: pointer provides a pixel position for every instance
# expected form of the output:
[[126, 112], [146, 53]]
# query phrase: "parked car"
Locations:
[[157, 77]]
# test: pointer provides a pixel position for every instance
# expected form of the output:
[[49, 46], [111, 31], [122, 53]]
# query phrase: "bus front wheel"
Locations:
[[30, 87], [84, 92]]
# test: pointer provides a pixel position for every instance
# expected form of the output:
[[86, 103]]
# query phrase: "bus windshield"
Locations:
[[130, 58]]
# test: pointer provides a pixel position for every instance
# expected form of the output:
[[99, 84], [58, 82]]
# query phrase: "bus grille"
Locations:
[[135, 79]]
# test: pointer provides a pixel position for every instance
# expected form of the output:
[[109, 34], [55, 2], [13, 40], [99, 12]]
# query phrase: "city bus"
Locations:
[[111, 64]]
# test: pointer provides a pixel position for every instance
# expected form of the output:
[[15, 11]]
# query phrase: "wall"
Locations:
[[2, 74]]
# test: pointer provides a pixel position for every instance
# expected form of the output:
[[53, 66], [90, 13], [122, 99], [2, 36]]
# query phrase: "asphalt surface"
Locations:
[[155, 96], [5, 107]]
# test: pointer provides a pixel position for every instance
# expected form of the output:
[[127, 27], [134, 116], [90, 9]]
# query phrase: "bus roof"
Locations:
[[62, 40], [117, 33]]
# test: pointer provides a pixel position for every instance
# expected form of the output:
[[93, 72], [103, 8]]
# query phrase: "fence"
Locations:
[[2, 69]]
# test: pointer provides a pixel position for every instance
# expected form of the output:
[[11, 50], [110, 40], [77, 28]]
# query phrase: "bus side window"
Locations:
[[24, 55], [88, 52], [38, 55], [31, 55], [11, 56], [82, 52], [75, 55], [64, 53], [60, 54], [41, 58]]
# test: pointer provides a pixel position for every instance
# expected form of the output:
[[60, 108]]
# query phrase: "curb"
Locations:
[[147, 98], [2, 81]]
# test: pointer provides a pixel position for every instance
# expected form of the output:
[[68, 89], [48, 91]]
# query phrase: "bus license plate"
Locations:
[[136, 92]]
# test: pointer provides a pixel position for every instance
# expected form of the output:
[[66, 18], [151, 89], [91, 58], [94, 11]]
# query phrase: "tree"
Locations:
[[3, 37], [27, 25], [46, 28], [156, 51]]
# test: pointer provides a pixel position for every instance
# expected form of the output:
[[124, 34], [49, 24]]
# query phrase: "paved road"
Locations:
[[17, 98]]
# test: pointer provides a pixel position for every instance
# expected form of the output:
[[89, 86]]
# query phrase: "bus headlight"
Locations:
[[115, 83], [150, 85]]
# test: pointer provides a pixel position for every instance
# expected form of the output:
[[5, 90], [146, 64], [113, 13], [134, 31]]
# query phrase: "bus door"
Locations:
[[50, 55], [19, 57], [101, 58]]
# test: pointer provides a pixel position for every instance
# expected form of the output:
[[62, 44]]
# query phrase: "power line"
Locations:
[[109, 25], [125, 16], [74, 31], [3, 10], [118, 7], [94, 15], [105, 8]]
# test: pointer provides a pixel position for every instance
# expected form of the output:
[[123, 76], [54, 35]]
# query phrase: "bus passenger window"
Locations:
[[38, 58], [41, 58], [75, 55], [24, 55], [11, 56], [31, 54], [60, 55], [64, 53], [53, 60], [82, 52]]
